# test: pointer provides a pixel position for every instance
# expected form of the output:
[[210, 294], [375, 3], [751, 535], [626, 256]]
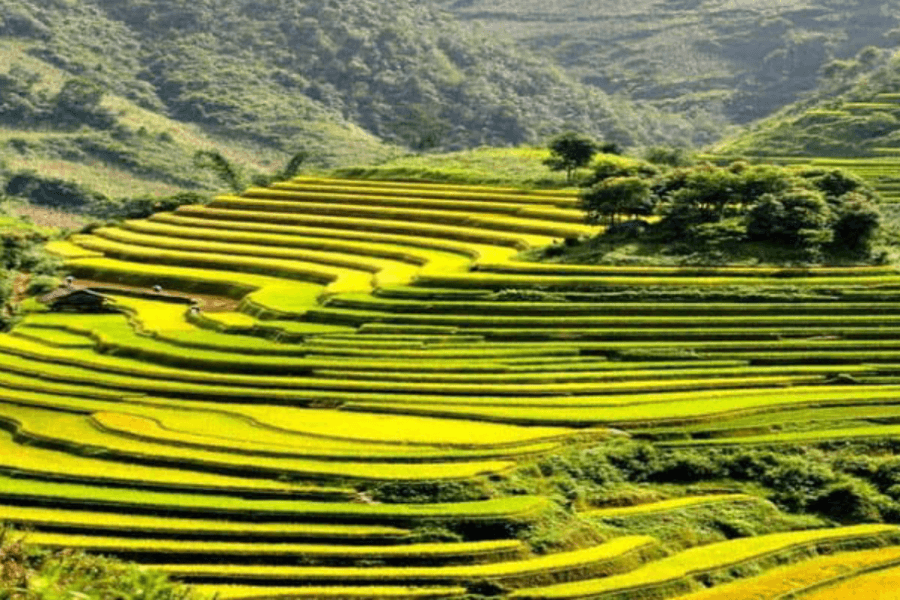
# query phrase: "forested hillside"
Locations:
[[345, 80], [718, 61]]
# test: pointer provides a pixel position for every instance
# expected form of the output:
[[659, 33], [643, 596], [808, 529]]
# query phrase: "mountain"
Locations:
[[718, 61], [114, 81]]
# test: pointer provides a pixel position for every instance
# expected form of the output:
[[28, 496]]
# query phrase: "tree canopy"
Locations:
[[570, 151], [801, 209]]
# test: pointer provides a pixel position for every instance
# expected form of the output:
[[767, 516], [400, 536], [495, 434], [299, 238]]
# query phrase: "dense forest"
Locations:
[[716, 62]]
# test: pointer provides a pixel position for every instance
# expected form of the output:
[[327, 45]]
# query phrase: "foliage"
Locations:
[[570, 151], [405, 72], [718, 210], [713, 65], [664, 155], [27, 573], [617, 196], [79, 103], [222, 167]]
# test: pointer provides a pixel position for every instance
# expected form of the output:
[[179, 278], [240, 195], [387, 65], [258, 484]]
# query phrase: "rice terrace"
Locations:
[[360, 415], [449, 300]]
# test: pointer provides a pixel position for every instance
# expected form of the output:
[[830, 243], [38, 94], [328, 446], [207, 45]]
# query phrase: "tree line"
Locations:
[[809, 211]]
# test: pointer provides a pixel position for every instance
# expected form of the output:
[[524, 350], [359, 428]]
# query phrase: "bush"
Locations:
[[424, 492], [688, 467], [42, 284], [35, 574], [848, 502], [857, 221]]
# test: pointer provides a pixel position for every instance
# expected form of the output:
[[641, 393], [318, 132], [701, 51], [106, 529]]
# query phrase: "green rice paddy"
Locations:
[[349, 334]]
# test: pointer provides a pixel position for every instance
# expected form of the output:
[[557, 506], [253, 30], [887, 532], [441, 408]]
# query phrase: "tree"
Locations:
[[664, 155], [570, 151], [616, 196], [221, 166], [798, 217], [857, 221], [293, 165]]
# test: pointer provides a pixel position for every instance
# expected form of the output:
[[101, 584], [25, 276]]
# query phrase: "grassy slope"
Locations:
[[147, 153]]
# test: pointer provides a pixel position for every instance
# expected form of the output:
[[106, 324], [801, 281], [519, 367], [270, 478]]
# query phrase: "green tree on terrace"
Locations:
[[706, 208], [570, 151], [617, 196]]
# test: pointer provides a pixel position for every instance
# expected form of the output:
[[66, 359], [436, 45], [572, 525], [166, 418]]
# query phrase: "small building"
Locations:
[[83, 300]]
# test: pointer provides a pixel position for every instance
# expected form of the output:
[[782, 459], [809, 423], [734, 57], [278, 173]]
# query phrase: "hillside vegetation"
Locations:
[[856, 118], [716, 61], [121, 95]]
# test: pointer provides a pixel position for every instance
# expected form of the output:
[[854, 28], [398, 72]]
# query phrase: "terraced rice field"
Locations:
[[382, 332]]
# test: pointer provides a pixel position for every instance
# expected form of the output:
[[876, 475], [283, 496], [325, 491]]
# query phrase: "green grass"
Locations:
[[518, 167]]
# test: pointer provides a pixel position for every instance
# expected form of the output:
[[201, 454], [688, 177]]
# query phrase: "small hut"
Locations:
[[83, 300]]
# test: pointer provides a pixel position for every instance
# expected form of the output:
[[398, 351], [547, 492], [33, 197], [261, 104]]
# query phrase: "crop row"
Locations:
[[413, 243], [236, 551], [105, 522], [300, 194], [698, 272], [322, 428], [542, 230], [665, 506], [325, 258], [486, 280], [615, 556], [77, 434], [37, 462], [564, 198], [368, 302], [679, 573], [471, 233], [645, 411], [270, 592], [406, 254], [311, 386], [805, 578], [93, 498]]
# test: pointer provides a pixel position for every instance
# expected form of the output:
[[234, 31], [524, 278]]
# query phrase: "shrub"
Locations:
[[848, 502], [42, 284], [27, 572]]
